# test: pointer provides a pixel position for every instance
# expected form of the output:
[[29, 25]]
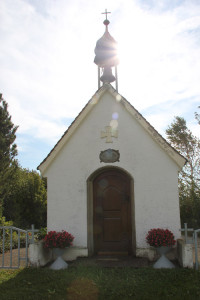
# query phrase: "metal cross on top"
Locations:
[[106, 12]]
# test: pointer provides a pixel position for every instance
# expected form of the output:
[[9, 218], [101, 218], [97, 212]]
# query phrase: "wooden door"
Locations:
[[112, 213]]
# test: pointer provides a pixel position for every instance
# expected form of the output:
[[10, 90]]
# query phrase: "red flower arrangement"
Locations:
[[54, 239], [158, 237]]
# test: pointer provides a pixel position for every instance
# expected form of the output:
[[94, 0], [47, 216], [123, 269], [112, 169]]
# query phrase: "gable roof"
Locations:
[[173, 153]]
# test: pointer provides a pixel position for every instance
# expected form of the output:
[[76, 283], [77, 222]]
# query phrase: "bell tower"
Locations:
[[106, 57]]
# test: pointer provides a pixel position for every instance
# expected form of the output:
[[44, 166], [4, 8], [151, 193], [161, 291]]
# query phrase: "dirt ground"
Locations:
[[14, 258], [107, 261]]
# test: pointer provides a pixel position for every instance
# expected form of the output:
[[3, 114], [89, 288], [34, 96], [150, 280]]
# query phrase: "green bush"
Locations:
[[41, 234], [3, 222], [7, 240], [26, 200]]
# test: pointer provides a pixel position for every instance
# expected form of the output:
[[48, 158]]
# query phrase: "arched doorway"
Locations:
[[111, 212]]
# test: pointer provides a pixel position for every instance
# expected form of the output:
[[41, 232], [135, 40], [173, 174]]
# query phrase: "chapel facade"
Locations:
[[111, 177]]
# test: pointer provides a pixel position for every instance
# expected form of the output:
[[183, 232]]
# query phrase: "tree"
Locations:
[[22, 192], [8, 149], [197, 116], [27, 200], [182, 139]]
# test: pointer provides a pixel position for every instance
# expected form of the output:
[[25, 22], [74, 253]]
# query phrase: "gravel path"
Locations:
[[106, 261], [14, 258]]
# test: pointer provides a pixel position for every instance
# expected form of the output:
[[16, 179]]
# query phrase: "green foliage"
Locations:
[[22, 192], [197, 116], [189, 206], [7, 245], [8, 149], [41, 234], [86, 282], [3, 222], [188, 145], [26, 201]]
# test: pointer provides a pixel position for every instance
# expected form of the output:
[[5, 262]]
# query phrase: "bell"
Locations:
[[107, 75]]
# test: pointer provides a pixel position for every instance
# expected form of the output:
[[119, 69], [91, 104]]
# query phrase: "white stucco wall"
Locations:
[[155, 174]]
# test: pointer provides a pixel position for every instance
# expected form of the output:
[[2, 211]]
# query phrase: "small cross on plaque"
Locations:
[[109, 133]]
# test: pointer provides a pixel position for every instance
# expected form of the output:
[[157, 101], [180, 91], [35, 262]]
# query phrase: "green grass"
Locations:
[[93, 282]]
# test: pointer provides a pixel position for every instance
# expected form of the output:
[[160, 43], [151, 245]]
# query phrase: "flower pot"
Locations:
[[163, 261], [59, 263]]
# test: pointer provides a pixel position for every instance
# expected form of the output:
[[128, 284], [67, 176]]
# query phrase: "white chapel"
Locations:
[[111, 177]]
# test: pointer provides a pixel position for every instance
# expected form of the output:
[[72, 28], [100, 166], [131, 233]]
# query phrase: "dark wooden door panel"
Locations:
[[111, 198], [112, 212], [112, 230]]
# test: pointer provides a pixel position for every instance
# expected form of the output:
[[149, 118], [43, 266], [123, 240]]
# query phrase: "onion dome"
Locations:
[[106, 50], [106, 56]]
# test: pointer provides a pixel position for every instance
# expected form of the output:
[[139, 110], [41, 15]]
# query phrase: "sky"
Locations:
[[48, 74]]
